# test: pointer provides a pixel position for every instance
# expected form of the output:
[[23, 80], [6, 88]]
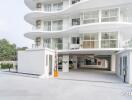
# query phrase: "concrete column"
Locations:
[[100, 11], [65, 63], [75, 62], [99, 37], [113, 62], [42, 42]]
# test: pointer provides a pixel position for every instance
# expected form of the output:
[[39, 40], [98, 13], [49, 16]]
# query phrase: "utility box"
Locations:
[[37, 61]]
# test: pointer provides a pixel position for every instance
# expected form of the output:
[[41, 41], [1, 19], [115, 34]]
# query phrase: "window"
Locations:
[[91, 40], [58, 43], [76, 21], [57, 25], [38, 23], [109, 39], [53, 7], [90, 17], [47, 25], [110, 15], [75, 1], [47, 43], [47, 7], [38, 41], [39, 5], [75, 40], [125, 62], [58, 6], [121, 66]]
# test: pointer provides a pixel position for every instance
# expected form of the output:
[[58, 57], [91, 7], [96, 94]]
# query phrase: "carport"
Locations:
[[89, 65], [88, 59]]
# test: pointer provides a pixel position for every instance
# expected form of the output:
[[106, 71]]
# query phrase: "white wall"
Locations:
[[130, 68], [36, 61], [104, 63], [66, 23], [65, 43], [65, 4], [65, 64], [31, 61], [113, 62], [47, 53], [129, 62]]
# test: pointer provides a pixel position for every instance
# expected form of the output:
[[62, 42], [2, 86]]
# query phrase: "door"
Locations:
[[50, 64], [125, 68]]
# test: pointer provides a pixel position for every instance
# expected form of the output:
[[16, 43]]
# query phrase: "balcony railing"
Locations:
[[48, 28]]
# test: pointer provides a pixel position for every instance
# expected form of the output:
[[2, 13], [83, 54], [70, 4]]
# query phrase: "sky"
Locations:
[[12, 24]]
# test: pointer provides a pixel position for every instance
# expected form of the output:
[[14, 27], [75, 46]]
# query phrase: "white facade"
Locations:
[[37, 61], [97, 29], [124, 63]]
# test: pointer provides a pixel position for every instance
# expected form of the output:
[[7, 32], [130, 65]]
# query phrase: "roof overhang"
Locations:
[[93, 51]]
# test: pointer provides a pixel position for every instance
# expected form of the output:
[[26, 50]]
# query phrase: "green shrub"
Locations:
[[6, 66]]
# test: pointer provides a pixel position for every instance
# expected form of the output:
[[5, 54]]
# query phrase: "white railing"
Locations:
[[74, 46], [47, 28]]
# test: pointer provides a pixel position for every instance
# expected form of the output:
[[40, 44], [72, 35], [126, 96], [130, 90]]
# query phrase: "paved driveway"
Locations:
[[92, 86]]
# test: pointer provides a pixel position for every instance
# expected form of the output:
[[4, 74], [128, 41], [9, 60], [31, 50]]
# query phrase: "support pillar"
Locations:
[[75, 62], [113, 62], [65, 63]]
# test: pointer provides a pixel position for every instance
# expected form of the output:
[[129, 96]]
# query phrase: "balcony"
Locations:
[[48, 28]]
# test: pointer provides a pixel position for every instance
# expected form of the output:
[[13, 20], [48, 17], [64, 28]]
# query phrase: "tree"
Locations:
[[7, 50]]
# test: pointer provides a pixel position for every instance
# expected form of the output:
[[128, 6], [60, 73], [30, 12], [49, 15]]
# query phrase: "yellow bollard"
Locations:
[[56, 73]]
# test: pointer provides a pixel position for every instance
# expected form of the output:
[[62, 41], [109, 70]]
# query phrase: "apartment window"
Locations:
[[58, 6], [90, 40], [38, 41], [47, 7], [75, 40], [57, 25], [110, 15], [47, 43], [47, 25], [90, 17], [109, 39], [38, 23], [39, 5], [76, 21], [58, 43], [75, 1]]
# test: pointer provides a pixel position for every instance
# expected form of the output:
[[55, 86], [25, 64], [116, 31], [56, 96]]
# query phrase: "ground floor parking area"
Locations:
[[75, 85], [90, 75]]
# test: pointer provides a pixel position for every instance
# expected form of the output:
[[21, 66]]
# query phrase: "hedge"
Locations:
[[6, 66]]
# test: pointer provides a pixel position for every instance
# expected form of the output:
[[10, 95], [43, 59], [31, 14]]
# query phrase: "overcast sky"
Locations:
[[12, 24]]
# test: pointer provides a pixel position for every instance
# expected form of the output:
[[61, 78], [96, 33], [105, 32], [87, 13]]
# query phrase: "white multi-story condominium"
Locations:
[[86, 33]]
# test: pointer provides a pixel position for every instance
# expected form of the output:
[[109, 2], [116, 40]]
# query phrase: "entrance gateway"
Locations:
[[73, 62], [88, 59]]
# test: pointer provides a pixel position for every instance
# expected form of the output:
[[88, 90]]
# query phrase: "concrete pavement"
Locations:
[[76, 85]]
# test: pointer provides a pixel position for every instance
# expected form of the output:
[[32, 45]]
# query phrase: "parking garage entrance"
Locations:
[[67, 63]]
